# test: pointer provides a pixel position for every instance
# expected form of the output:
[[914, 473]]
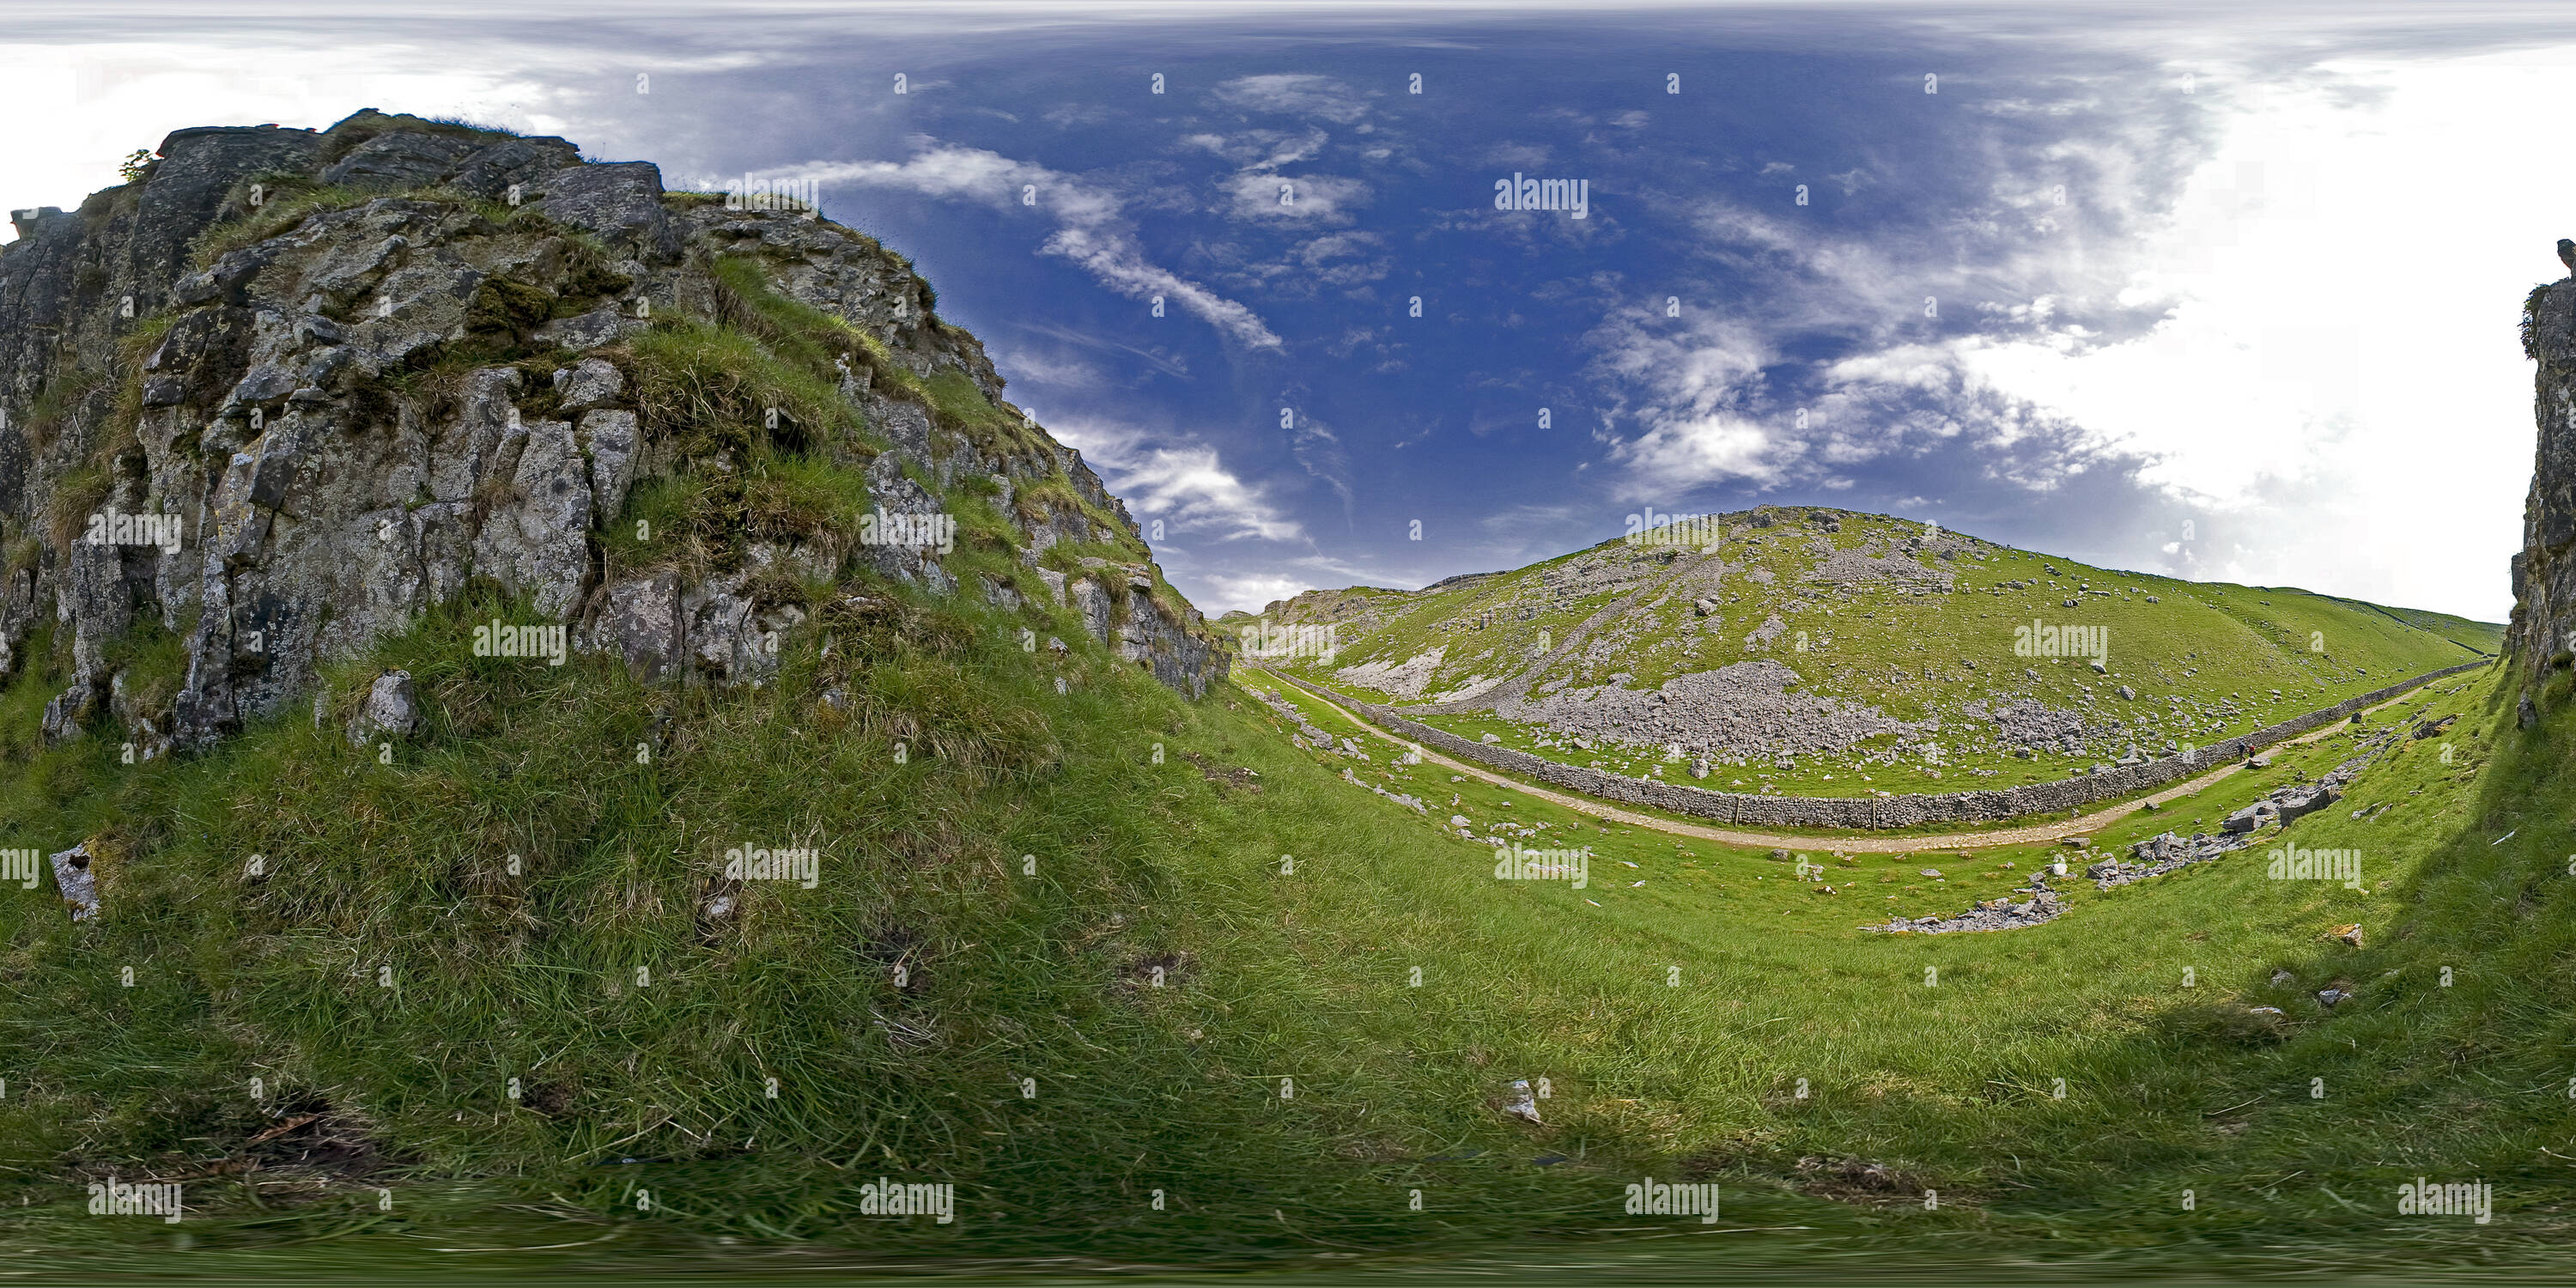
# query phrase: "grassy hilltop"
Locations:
[[1880, 619]]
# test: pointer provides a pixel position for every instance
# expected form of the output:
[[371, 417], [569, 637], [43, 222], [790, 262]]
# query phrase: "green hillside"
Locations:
[[1909, 632], [1288, 1087]]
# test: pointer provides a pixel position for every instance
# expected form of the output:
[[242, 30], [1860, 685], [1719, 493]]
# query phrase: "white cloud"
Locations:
[[1694, 383], [1261, 148], [1225, 592], [2340, 373], [2293, 319], [1686, 452], [1091, 230], [1307, 198], [1296, 94], [1183, 483]]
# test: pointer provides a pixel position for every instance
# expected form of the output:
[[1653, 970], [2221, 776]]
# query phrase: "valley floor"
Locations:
[[1156, 989], [1866, 843]]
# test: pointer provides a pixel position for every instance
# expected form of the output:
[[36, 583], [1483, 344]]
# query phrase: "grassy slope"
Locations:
[[1913, 656], [1301, 975]]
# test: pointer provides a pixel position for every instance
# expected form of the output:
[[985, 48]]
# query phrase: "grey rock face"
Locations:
[[491, 171], [2542, 634], [402, 159], [534, 540], [326, 500], [596, 329], [622, 203]]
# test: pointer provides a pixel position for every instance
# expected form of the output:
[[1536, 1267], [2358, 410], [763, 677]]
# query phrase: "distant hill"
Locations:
[[1831, 652], [2485, 637]]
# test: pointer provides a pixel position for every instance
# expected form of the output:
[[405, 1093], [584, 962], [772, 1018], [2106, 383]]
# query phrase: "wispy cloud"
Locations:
[[1296, 94], [1091, 230], [1182, 482], [1305, 198]]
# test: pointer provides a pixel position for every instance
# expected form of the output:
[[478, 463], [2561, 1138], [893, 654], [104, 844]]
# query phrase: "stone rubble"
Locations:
[[2042, 907]]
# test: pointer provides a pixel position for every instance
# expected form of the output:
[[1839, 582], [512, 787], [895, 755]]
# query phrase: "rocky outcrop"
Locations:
[[2542, 635], [331, 378]]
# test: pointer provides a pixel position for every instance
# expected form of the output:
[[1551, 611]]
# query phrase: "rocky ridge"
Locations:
[[345, 373]]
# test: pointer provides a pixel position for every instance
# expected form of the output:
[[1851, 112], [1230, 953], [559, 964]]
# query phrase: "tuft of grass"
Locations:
[[351, 131], [710, 389], [809, 336], [297, 198]]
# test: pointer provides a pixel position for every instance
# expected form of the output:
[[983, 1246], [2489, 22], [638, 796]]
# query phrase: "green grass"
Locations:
[[1301, 974], [2204, 660], [807, 335]]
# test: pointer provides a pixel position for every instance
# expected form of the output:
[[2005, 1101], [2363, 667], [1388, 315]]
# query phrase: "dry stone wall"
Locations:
[[1865, 812]]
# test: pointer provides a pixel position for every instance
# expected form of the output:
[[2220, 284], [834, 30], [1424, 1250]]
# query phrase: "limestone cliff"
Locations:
[[2542, 635], [340, 375]]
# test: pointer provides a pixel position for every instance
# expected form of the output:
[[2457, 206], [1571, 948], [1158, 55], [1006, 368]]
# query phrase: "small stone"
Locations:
[[391, 709], [589, 384], [77, 882]]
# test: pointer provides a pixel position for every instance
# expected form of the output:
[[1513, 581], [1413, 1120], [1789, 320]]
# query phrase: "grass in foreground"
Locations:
[[1673, 1020]]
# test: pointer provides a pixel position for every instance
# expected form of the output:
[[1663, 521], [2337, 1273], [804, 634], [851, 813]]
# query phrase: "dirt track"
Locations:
[[1855, 844]]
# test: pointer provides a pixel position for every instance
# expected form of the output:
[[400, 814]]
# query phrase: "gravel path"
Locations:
[[2036, 835]]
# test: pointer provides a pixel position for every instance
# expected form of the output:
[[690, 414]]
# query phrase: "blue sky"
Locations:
[[2223, 293]]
